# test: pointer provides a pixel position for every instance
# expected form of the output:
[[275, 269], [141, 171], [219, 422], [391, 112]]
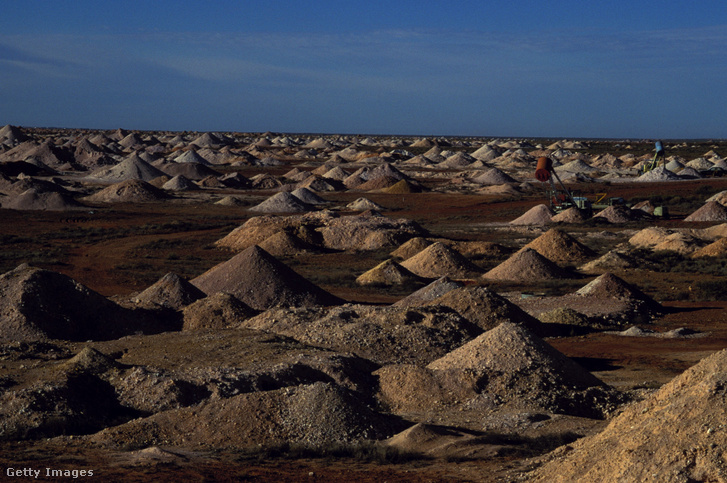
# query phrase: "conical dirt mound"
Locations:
[[34, 199], [526, 265], [37, 304], [711, 211], [558, 246], [133, 167], [571, 215], [261, 281], [537, 215], [609, 262], [411, 248], [438, 260], [494, 176], [170, 291], [388, 273], [282, 203], [676, 434], [609, 285], [129, 191]]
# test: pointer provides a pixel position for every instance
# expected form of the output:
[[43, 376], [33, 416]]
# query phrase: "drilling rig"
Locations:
[[560, 198]]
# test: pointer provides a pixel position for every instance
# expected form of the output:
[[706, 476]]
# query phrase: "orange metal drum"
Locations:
[[542, 171]]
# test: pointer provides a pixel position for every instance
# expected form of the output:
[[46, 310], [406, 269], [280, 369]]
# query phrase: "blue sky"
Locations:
[[619, 69]]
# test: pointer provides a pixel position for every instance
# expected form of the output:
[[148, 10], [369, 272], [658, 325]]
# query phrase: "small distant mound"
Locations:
[[710, 211], [571, 215], [261, 281], [230, 201], [179, 183], [388, 273], [527, 265], [537, 215], [609, 285], [307, 196], [411, 248], [170, 291], [618, 214], [430, 292], [129, 191], [494, 176], [438, 260], [282, 202], [558, 246], [684, 414], [90, 361], [363, 204], [658, 174], [218, 311], [611, 261], [402, 187]]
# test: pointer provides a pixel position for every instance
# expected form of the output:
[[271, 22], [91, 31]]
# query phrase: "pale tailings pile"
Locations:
[[649, 237], [657, 175], [618, 214], [363, 204], [508, 368], [261, 281], [537, 215], [385, 335], [494, 176], [677, 434], [682, 243], [558, 246], [133, 167], [326, 229], [438, 260], [710, 211], [527, 265]]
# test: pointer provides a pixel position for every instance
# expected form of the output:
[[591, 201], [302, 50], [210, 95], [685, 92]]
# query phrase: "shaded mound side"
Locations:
[[558, 246], [217, 311], [37, 304], [674, 435], [316, 414], [261, 281], [526, 265], [411, 248], [486, 309], [285, 244], [438, 260], [384, 335], [571, 215]]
